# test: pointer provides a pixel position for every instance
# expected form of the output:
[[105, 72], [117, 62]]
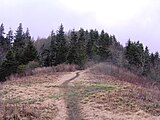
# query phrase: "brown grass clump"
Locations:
[[28, 112], [16, 113]]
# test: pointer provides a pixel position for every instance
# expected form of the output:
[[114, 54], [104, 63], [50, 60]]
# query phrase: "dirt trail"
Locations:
[[69, 80], [71, 101]]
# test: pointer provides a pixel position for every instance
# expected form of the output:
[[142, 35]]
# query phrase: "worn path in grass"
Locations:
[[71, 102]]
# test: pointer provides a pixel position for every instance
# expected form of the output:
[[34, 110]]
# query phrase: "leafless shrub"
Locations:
[[66, 68], [89, 64], [122, 74], [42, 70]]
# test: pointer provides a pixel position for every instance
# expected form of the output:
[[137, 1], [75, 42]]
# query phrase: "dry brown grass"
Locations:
[[128, 102], [34, 93], [123, 75], [28, 98], [46, 70], [28, 112], [99, 94]]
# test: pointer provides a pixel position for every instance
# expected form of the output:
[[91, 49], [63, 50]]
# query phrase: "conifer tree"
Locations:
[[2, 51], [29, 53], [9, 66], [146, 69], [19, 38], [82, 55], [53, 49], [4, 44], [131, 53], [1, 35], [26, 36], [19, 43], [62, 51], [73, 49], [91, 44], [10, 38], [45, 56], [103, 50]]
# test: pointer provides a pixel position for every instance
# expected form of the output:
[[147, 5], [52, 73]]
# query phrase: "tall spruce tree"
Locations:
[[10, 38], [45, 56], [131, 53], [29, 53], [91, 44], [140, 56], [19, 43], [103, 42], [1, 35], [62, 51], [147, 60], [2, 42], [27, 36], [73, 50], [53, 49], [19, 38], [82, 53]]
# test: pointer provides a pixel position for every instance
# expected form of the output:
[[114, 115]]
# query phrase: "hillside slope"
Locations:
[[89, 94]]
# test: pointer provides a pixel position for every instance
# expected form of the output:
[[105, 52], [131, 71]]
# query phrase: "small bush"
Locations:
[[21, 69], [66, 68], [24, 70], [89, 64], [32, 65], [42, 70]]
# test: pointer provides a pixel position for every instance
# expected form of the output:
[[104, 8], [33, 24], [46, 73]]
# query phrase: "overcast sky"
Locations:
[[134, 19]]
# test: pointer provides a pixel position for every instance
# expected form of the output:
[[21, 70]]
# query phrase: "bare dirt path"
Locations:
[[71, 101], [69, 80]]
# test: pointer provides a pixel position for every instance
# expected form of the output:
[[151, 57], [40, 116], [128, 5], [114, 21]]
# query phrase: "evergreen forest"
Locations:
[[19, 51]]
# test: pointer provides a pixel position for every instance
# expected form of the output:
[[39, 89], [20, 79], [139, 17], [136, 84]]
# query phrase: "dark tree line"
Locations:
[[141, 60], [15, 51], [74, 47]]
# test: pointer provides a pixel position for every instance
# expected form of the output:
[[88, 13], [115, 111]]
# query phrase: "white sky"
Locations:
[[134, 19]]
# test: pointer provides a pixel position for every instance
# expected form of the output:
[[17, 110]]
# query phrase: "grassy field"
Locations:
[[90, 94]]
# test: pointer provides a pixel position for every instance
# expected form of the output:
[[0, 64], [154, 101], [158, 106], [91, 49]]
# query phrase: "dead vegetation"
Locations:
[[123, 74], [132, 99], [98, 93], [46, 70]]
